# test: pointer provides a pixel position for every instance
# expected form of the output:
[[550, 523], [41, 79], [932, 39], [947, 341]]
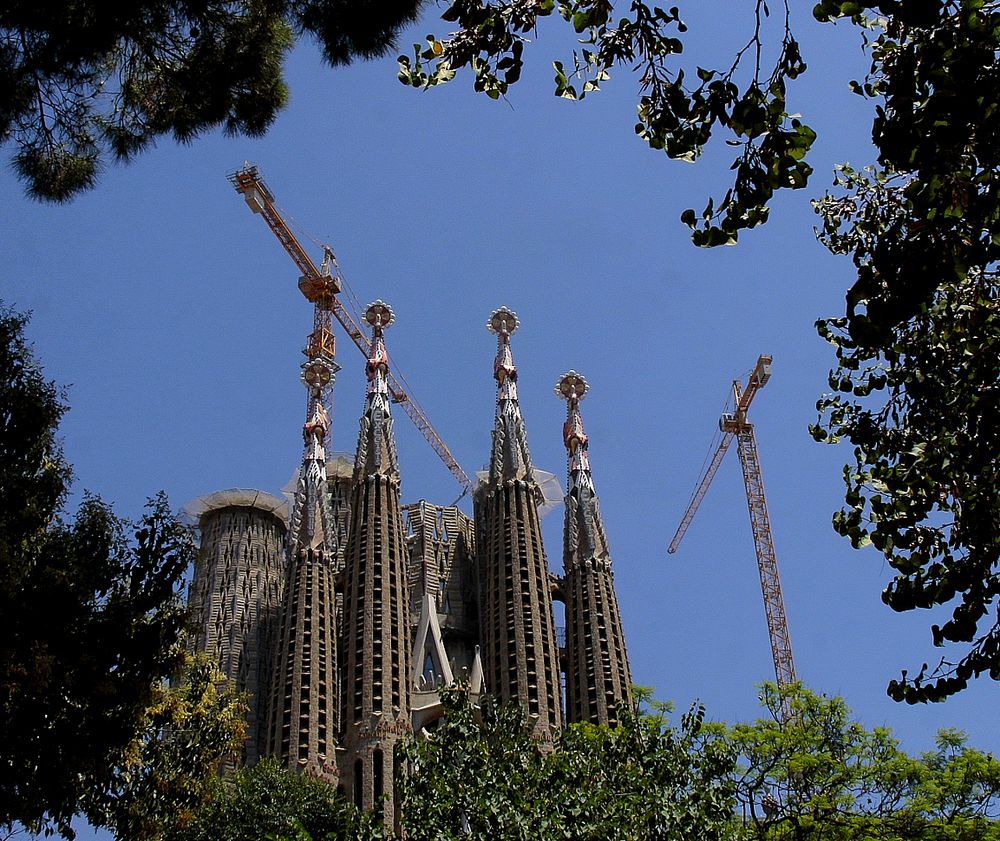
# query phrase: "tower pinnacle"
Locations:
[[572, 388], [520, 657], [376, 453], [510, 458], [375, 699], [597, 671], [587, 528], [303, 715]]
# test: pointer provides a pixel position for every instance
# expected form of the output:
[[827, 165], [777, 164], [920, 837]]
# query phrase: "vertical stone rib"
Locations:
[[375, 704], [598, 683], [520, 657]]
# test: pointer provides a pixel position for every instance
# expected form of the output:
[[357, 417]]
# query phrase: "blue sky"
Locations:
[[172, 314]]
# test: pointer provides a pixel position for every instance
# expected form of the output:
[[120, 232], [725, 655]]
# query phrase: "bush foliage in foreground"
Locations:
[[815, 775]]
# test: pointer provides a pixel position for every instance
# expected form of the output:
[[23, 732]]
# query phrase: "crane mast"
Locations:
[[735, 425], [320, 286]]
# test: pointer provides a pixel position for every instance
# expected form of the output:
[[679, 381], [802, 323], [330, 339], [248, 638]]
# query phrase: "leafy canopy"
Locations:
[[679, 107], [170, 768], [806, 771], [268, 801], [916, 389], [817, 774], [480, 774], [91, 621]]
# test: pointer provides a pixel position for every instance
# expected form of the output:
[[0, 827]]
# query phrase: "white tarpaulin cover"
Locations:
[[248, 497], [552, 492]]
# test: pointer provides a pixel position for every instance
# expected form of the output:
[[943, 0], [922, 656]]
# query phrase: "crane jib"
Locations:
[[320, 288]]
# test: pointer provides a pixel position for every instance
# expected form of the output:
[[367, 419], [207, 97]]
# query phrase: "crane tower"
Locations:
[[735, 425]]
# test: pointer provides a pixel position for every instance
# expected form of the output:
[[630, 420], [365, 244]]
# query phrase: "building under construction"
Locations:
[[344, 613]]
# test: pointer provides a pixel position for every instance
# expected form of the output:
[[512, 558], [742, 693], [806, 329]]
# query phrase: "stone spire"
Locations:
[[303, 719], [519, 653], [375, 700], [376, 453], [510, 458], [312, 519], [598, 684]]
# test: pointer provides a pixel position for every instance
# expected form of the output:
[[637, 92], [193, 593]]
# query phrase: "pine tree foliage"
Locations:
[[84, 80]]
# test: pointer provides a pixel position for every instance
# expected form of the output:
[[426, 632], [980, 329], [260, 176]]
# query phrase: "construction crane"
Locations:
[[320, 286], [735, 425]]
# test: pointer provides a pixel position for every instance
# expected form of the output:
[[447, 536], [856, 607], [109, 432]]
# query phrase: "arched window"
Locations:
[[359, 781], [376, 775]]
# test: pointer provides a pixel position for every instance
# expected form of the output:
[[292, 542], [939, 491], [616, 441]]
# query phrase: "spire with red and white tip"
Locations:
[[303, 722], [311, 525], [598, 682], [584, 526], [376, 453], [509, 458]]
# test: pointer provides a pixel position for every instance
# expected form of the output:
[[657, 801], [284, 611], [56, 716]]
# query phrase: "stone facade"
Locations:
[[441, 543]]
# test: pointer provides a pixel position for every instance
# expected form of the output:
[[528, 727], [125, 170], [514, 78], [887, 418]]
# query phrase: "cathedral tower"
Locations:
[[304, 687], [520, 657], [598, 685], [375, 702], [235, 592]]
